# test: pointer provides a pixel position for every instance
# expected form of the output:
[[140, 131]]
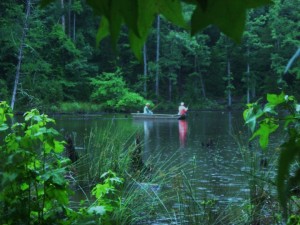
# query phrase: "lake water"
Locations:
[[211, 141]]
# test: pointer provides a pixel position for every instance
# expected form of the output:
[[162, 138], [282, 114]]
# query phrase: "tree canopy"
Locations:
[[180, 62]]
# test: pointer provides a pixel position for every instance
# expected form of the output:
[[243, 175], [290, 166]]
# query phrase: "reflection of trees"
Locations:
[[230, 122]]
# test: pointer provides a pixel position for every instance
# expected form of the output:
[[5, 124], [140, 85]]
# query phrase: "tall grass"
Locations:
[[166, 192], [262, 206], [145, 195], [75, 107]]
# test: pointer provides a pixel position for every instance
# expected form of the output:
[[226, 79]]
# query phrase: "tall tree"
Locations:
[[63, 19], [252, 47], [20, 54], [145, 68], [285, 26], [227, 45], [157, 57]]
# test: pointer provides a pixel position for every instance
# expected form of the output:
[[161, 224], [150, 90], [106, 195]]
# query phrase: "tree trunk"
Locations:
[[63, 23], [248, 83], [229, 84], [20, 55], [145, 69], [69, 18], [74, 27], [253, 89], [170, 90], [248, 76], [157, 57], [201, 78]]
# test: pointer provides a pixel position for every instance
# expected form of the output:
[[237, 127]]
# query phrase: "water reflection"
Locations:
[[148, 124], [182, 127], [230, 123]]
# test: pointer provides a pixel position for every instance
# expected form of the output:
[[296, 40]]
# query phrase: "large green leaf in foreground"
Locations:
[[138, 16]]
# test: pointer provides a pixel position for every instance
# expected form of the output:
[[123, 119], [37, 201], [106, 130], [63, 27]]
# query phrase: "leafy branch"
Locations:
[[268, 120]]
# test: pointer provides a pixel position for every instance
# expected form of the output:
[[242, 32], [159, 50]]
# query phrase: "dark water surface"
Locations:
[[207, 139]]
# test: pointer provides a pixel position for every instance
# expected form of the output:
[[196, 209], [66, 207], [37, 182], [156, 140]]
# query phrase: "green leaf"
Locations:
[[98, 210], [251, 115], [136, 44], [276, 99], [172, 10], [43, 3], [59, 195], [100, 7], [251, 123], [115, 21], [257, 3], [228, 15], [194, 2], [9, 177], [264, 131], [111, 19], [3, 127], [146, 15], [288, 154], [59, 146], [289, 119], [101, 189], [57, 177], [129, 11], [24, 186], [52, 132], [269, 108], [230, 19]]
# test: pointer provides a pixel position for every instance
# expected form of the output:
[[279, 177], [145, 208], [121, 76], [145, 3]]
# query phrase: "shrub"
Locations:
[[33, 188], [111, 92]]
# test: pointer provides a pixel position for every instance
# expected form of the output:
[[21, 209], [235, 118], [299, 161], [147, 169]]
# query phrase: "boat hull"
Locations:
[[155, 116]]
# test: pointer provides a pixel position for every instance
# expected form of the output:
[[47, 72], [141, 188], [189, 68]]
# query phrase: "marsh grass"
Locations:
[[147, 193], [164, 192], [160, 192], [261, 206], [76, 107]]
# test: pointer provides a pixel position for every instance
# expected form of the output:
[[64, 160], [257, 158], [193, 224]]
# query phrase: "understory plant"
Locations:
[[34, 188], [280, 111], [110, 91]]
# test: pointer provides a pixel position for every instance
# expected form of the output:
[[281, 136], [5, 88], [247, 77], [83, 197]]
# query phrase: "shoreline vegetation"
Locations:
[[78, 108]]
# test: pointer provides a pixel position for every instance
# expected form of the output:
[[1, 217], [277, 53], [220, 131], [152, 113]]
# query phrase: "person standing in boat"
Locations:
[[182, 110], [147, 109]]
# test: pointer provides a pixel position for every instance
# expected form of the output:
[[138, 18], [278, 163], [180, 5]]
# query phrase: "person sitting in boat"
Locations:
[[182, 110], [147, 110]]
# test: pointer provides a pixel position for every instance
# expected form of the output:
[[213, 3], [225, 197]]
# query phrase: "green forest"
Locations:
[[60, 67], [76, 56]]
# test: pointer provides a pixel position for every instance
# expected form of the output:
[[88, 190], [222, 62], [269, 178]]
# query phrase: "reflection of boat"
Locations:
[[155, 116], [183, 127]]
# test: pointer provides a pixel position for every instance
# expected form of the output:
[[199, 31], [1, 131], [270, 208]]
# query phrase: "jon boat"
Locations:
[[156, 116]]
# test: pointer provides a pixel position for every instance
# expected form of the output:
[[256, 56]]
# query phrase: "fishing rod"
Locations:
[[156, 106]]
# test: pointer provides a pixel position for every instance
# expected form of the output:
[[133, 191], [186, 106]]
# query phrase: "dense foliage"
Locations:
[[34, 188], [60, 59], [110, 92], [269, 118]]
